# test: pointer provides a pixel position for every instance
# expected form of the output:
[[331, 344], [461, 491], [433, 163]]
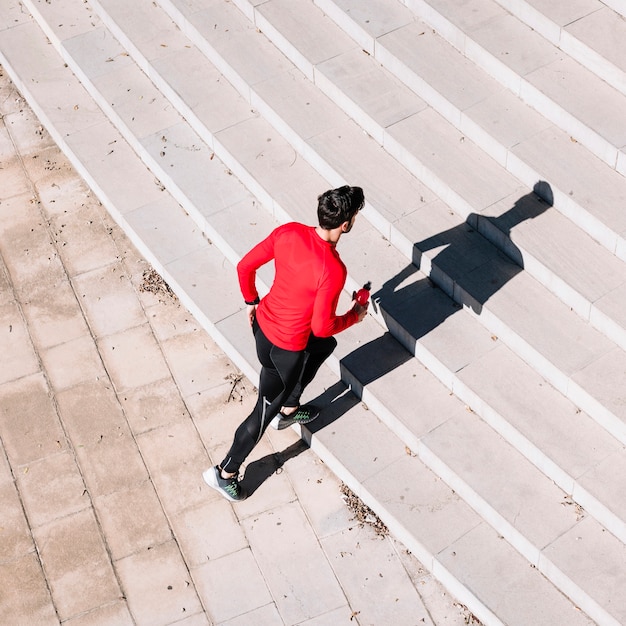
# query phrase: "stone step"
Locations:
[[175, 145], [617, 6], [593, 33], [505, 126], [526, 63], [444, 520]]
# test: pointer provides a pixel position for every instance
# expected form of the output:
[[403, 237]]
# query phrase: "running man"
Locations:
[[294, 324]]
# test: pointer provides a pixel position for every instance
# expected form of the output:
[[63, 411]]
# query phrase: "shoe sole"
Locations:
[[211, 480]]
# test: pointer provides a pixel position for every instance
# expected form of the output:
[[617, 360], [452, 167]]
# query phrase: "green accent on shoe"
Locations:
[[230, 488], [302, 415]]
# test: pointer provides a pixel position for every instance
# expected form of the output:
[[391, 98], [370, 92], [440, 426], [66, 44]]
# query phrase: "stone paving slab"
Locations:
[[587, 538], [588, 30], [369, 22], [603, 375], [502, 60], [600, 112], [360, 584], [103, 515], [286, 553], [316, 44], [599, 478], [540, 518], [381, 96], [527, 597], [561, 14]]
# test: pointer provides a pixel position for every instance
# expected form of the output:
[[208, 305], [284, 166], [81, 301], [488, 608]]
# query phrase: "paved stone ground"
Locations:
[[112, 402]]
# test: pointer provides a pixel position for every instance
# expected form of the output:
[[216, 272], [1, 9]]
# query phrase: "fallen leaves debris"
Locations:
[[362, 513], [154, 283], [236, 392], [468, 617], [578, 510]]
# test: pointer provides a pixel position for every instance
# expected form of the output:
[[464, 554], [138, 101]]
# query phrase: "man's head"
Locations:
[[336, 207]]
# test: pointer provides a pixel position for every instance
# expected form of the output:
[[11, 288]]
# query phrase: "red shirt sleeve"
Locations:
[[325, 321], [261, 254]]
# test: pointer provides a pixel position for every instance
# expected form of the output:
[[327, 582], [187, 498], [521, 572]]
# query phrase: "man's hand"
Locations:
[[251, 313], [361, 310]]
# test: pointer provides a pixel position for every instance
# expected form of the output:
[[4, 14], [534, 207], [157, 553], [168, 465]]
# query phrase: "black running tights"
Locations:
[[284, 376]]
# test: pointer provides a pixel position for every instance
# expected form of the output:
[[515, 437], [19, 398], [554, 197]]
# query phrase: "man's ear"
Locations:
[[345, 227]]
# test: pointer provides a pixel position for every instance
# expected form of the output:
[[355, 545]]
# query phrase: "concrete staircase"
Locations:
[[480, 410]]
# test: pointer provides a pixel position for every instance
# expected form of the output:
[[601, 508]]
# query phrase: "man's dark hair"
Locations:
[[336, 206]]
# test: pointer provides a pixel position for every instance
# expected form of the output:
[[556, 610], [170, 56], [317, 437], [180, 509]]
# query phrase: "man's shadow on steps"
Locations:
[[467, 271]]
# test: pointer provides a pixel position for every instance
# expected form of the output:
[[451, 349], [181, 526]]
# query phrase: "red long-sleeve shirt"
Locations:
[[309, 277]]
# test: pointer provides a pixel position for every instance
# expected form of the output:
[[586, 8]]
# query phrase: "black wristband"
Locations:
[[255, 301]]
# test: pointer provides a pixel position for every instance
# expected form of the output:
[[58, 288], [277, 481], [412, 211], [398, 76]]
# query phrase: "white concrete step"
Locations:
[[178, 145], [519, 58], [617, 6], [493, 118], [592, 33], [442, 531], [551, 146]]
